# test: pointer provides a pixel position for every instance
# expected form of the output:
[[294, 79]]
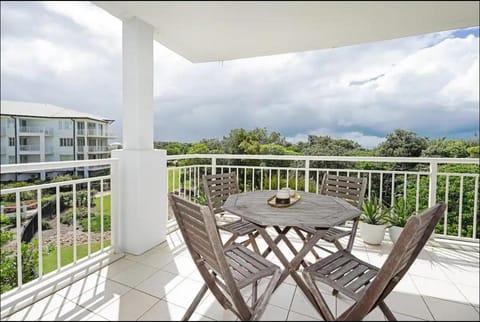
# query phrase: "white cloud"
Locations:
[[428, 84]]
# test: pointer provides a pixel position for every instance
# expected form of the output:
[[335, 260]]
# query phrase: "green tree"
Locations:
[[402, 143]]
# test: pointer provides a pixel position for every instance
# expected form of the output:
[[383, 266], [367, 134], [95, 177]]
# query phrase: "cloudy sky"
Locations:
[[69, 54]]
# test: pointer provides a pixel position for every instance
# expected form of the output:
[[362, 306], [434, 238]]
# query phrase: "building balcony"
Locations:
[[34, 131], [105, 282], [100, 134], [29, 149], [98, 149], [34, 149]]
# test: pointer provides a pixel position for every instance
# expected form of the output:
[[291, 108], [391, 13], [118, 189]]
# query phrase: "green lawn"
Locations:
[[106, 205], [50, 260]]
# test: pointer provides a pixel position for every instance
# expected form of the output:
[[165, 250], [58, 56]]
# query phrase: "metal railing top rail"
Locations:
[[40, 166], [324, 158], [53, 184]]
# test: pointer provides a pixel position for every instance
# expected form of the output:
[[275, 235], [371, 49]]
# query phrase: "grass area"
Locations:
[[173, 179], [106, 205], [50, 260]]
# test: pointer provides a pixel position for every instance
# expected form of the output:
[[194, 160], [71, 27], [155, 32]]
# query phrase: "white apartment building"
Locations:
[[33, 132]]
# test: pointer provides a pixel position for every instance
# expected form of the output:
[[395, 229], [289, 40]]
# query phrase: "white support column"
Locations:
[[142, 182]]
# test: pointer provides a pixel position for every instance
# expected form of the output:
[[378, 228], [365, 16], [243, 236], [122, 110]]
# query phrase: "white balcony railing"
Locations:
[[35, 130], [417, 180], [421, 181], [79, 212]]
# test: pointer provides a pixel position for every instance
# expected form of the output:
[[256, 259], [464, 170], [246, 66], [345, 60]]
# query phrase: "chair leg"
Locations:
[[327, 313], [386, 310], [195, 302], [254, 244], [262, 302], [230, 240], [254, 293]]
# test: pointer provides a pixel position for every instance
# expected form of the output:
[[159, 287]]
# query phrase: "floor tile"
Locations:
[[184, 293], [101, 296], [274, 313], [129, 307], [451, 311], [438, 289], [134, 274], [37, 310], [165, 311], [160, 283]]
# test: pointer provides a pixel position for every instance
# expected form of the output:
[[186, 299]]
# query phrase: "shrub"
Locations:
[[95, 223], [67, 217]]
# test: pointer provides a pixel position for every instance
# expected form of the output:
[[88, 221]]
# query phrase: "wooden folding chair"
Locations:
[[217, 188], [352, 189], [225, 270], [366, 284]]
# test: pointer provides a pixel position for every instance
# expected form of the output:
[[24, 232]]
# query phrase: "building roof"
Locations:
[[16, 108], [203, 31]]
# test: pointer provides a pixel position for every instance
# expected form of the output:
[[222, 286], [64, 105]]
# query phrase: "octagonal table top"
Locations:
[[312, 209]]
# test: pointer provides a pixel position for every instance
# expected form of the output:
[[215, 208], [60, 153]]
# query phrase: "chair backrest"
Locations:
[[352, 189], [198, 228], [411, 241], [217, 188]]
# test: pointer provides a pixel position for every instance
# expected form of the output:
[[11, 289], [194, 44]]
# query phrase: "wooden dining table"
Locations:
[[313, 210]]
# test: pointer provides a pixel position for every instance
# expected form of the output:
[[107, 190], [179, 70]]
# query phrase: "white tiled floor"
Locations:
[[442, 284]]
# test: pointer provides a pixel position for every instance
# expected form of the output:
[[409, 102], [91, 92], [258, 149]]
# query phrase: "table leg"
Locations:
[[291, 267], [276, 241]]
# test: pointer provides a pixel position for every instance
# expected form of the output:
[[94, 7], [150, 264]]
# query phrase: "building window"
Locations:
[[60, 124], [11, 159], [11, 141], [66, 142], [10, 123]]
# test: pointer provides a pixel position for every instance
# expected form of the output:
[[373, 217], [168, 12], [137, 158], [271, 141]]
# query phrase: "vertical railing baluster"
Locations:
[[270, 179], [74, 201], [307, 175], [288, 177], [475, 207], [460, 207], [317, 183], [296, 179], [417, 193], [381, 189], [432, 184], [261, 179], [445, 215], [392, 199], [405, 187], [253, 178], [59, 250], [19, 240], [40, 233], [89, 221], [245, 179], [101, 216], [369, 184], [278, 177]]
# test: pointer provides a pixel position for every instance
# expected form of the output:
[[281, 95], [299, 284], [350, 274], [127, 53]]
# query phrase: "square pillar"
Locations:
[[142, 171]]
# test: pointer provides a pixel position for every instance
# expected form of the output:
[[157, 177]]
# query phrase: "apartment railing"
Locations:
[[421, 182], [98, 149], [33, 130], [30, 147], [98, 133], [68, 218]]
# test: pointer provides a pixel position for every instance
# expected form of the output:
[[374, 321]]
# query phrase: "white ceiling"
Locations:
[[215, 31]]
